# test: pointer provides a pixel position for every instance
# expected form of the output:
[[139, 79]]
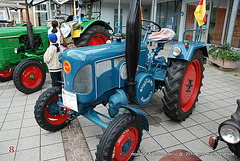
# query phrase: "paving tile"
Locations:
[[7, 125], [7, 157], [5, 105], [85, 122], [51, 138], [166, 140], [156, 129], [92, 131], [211, 126], [161, 117], [224, 112], [200, 118], [14, 116], [56, 150], [152, 110], [149, 145], [29, 143], [171, 125], [17, 109], [18, 103], [29, 122], [28, 115], [30, 131], [188, 122], [183, 135], [59, 159], [199, 131], [9, 134], [30, 107], [30, 154], [212, 115], [93, 142], [212, 157], [197, 147], [5, 146]]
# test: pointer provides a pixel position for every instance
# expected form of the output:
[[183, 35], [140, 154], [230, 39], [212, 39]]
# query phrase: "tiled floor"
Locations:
[[216, 103], [22, 139]]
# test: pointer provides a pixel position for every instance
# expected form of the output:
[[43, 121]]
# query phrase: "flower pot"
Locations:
[[225, 64]]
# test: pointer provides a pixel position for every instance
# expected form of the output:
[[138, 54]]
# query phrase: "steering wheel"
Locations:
[[150, 25]]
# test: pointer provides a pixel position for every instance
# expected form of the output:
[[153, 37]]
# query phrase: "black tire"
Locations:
[[47, 101], [6, 75], [95, 31], [112, 134], [179, 98], [235, 149], [29, 76]]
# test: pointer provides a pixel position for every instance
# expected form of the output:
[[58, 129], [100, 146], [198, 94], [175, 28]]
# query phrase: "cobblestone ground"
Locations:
[[74, 142]]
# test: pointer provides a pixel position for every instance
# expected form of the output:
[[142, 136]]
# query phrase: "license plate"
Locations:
[[70, 100]]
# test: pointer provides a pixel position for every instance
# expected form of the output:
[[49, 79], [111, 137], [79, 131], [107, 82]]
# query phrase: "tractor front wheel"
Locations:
[[6, 75], [182, 86], [121, 138], [94, 35], [46, 110], [29, 76]]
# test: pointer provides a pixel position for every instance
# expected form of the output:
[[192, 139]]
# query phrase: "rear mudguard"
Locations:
[[38, 58], [187, 53], [141, 115]]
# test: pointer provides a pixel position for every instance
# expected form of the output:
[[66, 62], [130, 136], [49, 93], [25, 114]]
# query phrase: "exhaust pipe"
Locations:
[[29, 28], [133, 43]]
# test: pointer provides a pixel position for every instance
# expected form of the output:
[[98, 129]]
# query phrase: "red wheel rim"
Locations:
[[31, 76], [56, 119], [97, 39], [6, 73], [125, 145], [190, 85]]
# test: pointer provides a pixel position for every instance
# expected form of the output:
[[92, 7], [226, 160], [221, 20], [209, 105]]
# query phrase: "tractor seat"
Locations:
[[163, 36]]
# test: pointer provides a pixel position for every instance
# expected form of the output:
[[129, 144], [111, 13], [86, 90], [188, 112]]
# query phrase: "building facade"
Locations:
[[223, 16]]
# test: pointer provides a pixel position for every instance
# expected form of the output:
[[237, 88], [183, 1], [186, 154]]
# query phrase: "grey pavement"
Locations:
[[22, 139]]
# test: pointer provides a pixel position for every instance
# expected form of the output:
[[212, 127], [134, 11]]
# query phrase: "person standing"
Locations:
[[64, 31], [51, 59]]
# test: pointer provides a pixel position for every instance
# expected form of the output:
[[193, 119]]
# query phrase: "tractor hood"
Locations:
[[19, 31]]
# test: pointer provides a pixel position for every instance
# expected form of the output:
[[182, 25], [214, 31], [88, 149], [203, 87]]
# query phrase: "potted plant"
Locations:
[[223, 56]]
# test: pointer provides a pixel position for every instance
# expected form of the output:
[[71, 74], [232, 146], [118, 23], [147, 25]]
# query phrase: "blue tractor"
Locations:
[[118, 73]]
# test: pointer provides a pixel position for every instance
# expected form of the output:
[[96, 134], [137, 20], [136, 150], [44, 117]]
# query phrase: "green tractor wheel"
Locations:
[[29, 76], [6, 75], [94, 35]]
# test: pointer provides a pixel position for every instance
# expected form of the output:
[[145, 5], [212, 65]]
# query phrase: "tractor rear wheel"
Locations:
[[46, 110], [6, 75], [121, 138], [94, 35], [182, 86], [29, 76]]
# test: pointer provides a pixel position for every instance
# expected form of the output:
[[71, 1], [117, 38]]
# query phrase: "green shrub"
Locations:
[[224, 52]]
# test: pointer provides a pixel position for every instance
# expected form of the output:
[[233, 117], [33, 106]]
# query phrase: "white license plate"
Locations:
[[70, 100]]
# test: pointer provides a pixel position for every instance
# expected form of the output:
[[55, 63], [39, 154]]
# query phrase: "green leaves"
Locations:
[[224, 52]]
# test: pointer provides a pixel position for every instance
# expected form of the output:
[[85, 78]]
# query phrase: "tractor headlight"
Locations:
[[176, 51], [17, 50], [229, 131]]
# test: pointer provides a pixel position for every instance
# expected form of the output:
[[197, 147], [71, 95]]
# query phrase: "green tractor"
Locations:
[[22, 48]]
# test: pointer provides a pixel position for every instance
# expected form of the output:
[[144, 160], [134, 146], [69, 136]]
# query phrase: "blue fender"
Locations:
[[141, 115], [187, 53]]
